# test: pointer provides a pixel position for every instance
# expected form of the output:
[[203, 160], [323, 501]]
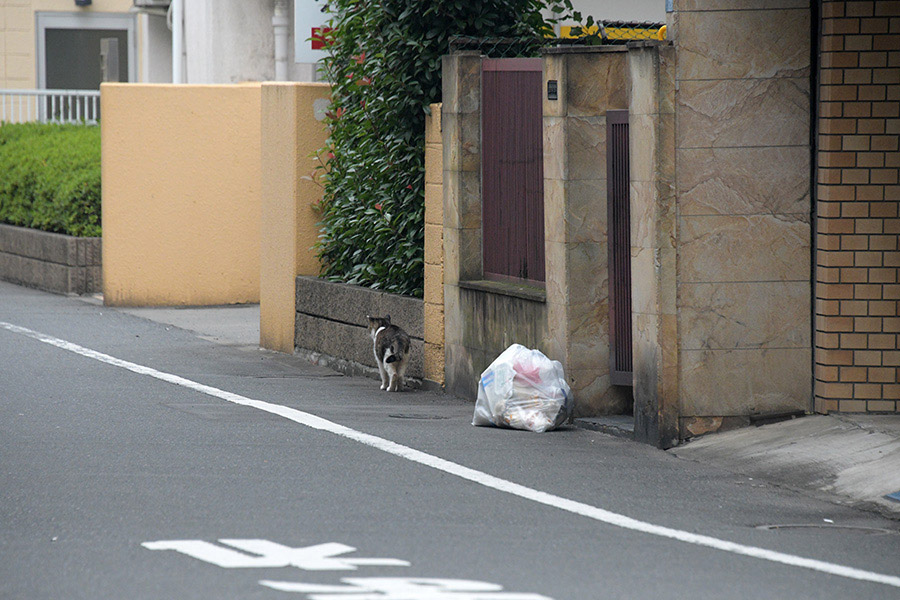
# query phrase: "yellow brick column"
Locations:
[[434, 248], [291, 133]]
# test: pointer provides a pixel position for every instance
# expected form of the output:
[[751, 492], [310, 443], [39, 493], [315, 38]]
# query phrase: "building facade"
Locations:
[[764, 218]]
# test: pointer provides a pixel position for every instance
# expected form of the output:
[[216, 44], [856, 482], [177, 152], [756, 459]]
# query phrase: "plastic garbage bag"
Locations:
[[523, 389]]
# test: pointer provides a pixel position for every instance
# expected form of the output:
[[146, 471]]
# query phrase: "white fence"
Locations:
[[50, 106]]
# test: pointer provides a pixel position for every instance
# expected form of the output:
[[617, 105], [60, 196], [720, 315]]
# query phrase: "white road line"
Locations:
[[502, 485]]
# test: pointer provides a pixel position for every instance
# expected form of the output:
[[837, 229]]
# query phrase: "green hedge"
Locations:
[[384, 63], [50, 177]]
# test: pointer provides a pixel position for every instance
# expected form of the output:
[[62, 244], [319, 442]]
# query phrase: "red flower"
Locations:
[[361, 58], [378, 206], [409, 187]]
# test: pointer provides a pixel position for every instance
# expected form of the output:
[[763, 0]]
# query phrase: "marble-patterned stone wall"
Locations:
[[568, 319], [591, 81], [743, 195], [481, 318], [651, 79]]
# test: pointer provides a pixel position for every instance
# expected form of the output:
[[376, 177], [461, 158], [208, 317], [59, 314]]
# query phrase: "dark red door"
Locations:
[[512, 169]]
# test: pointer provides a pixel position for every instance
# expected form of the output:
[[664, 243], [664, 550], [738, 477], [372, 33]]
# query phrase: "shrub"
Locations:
[[50, 177], [384, 64]]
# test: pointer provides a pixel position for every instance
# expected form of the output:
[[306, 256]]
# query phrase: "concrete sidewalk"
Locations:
[[847, 459], [234, 325]]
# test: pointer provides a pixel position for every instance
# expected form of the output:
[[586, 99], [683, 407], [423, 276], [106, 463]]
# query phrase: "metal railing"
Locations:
[[50, 106]]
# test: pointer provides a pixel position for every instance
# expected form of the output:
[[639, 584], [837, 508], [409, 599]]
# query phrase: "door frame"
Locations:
[[72, 20]]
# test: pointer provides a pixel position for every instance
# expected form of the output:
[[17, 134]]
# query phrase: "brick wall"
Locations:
[[858, 263]]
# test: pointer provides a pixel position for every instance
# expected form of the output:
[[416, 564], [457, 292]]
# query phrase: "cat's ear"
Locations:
[[388, 318]]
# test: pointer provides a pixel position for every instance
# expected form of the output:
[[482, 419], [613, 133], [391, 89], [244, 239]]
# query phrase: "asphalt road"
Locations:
[[121, 479]]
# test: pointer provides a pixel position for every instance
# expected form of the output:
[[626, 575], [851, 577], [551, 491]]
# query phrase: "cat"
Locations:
[[391, 347]]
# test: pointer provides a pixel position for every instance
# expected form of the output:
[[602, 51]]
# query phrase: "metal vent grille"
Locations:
[[619, 229]]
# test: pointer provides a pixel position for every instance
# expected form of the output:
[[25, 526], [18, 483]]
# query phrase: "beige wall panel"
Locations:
[[583, 222], [765, 314], [17, 18], [69, 6], [19, 42], [594, 86], [743, 181], [181, 194], [744, 112], [20, 70], [586, 148], [742, 5], [744, 248], [740, 382], [715, 45]]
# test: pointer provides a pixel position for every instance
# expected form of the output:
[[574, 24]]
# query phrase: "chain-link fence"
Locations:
[[608, 32], [499, 47]]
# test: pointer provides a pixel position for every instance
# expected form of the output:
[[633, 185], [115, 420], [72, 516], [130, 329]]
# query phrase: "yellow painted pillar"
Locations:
[[292, 131], [434, 247]]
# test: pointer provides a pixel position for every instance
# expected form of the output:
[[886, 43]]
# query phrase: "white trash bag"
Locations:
[[523, 389]]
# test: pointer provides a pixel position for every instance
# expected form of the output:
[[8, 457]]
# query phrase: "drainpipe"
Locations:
[[176, 11], [280, 24]]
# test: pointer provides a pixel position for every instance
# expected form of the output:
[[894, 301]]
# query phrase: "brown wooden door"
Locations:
[[512, 169]]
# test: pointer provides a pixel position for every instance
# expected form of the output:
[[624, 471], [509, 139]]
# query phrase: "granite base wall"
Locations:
[[331, 326], [52, 262]]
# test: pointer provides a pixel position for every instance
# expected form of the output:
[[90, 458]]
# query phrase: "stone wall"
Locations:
[[568, 317], [434, 248], [481, 318], [50, 261], [331, 326], [858, 262], [591, 80], [742, 112], [651, 75]]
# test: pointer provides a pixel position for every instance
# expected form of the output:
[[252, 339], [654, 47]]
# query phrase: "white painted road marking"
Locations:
[[266, 554], [402, 588], [496, 483], [322, 557]]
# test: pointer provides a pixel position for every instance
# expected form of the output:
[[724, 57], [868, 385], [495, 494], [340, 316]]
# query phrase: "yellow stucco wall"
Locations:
[[181, 194], [291, 133], [434, 247], [17, 35]]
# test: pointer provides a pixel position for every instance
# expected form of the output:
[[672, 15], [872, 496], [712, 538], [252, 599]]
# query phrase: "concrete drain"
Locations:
[[420, 417], [849, 528]]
